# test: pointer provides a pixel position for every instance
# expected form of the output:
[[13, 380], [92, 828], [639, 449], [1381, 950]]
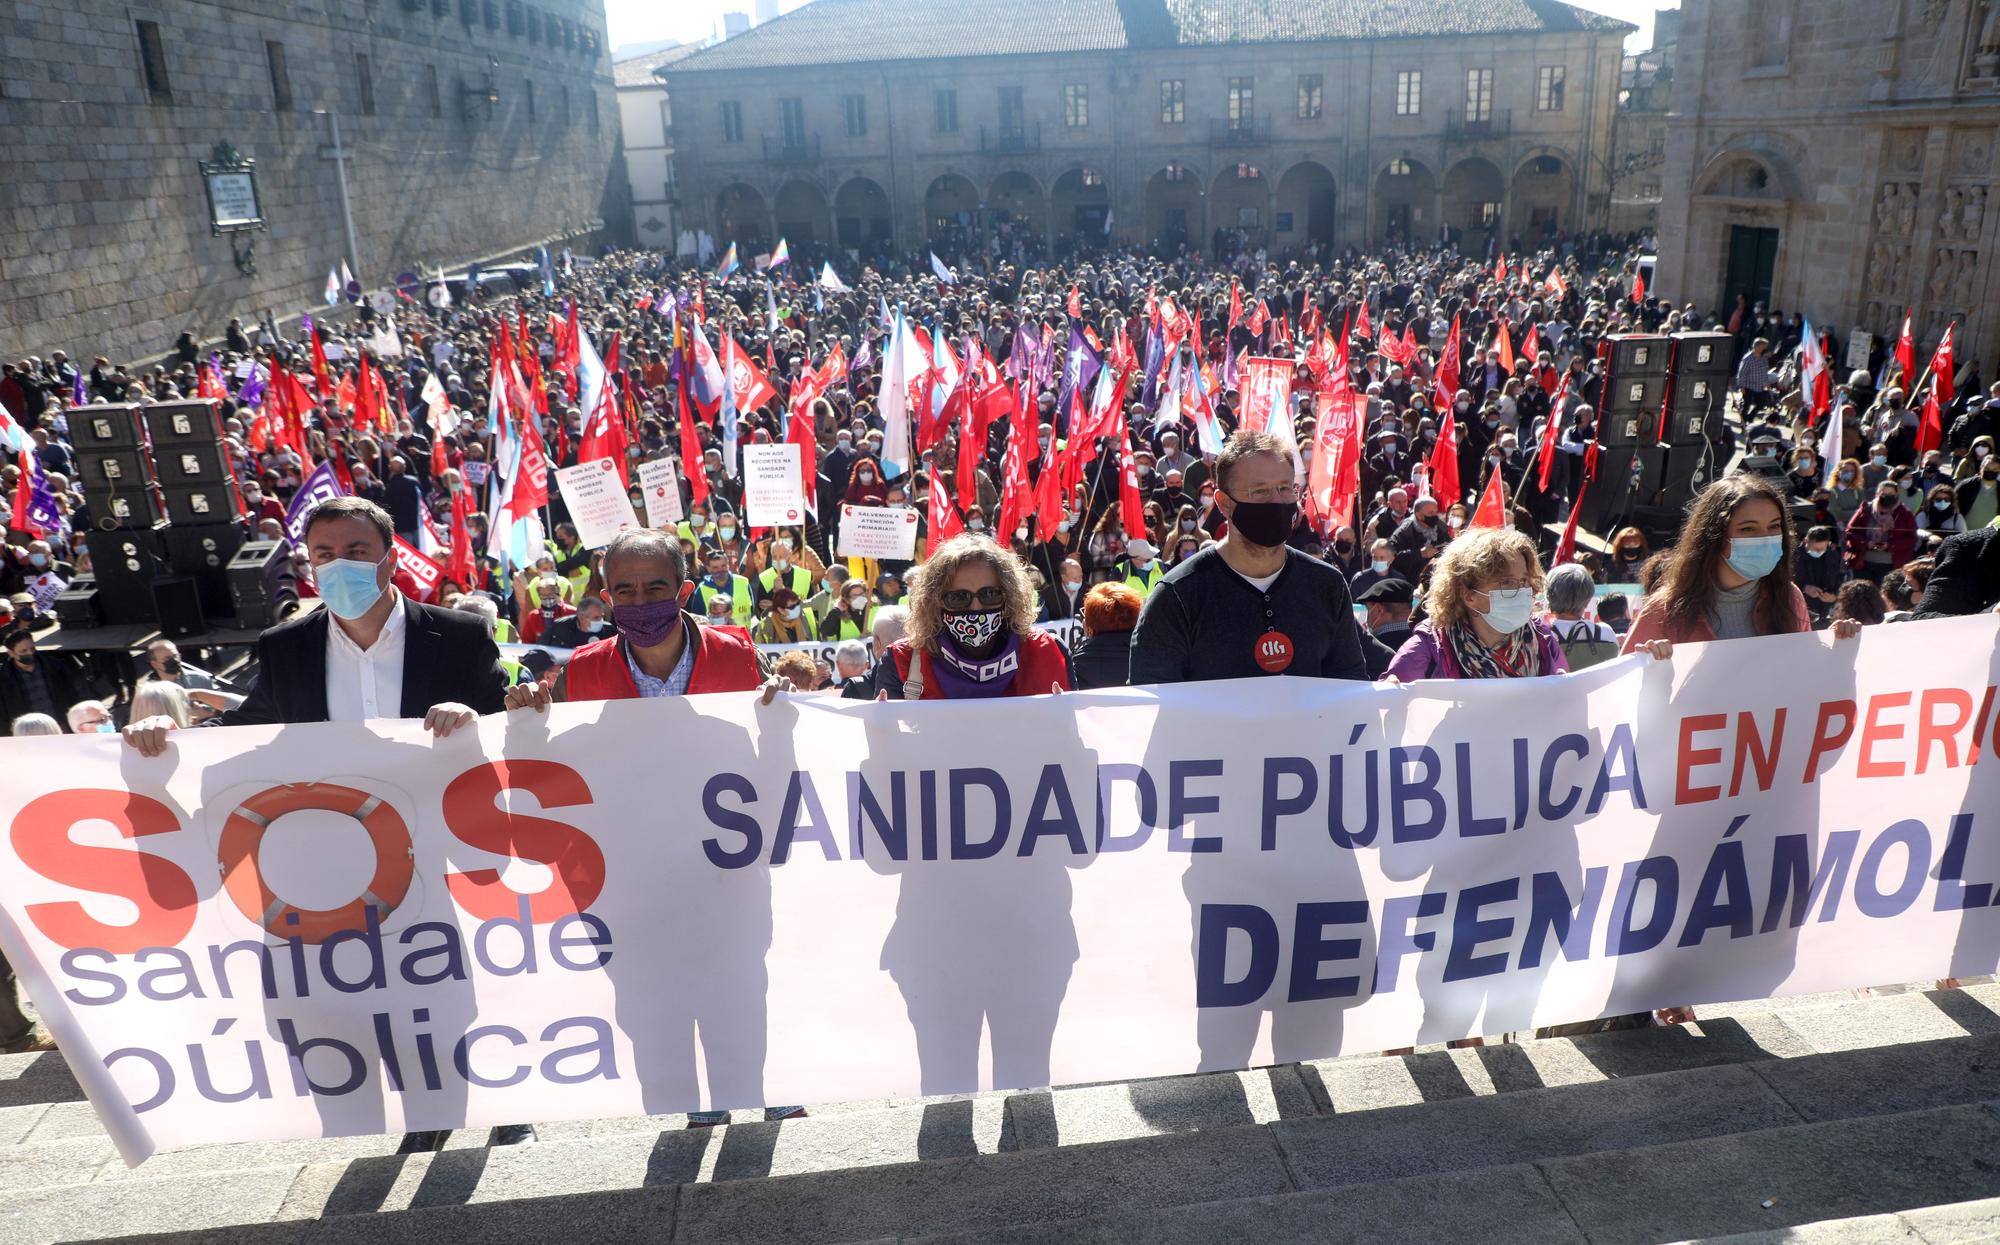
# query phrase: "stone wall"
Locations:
[[1867, 136], [105, 246]]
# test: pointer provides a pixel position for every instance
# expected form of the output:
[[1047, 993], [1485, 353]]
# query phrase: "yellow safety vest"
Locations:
[[503, 631], [741, 606], [801, 580], [1143, 582], [516, 672], [579, 579], [848, 631]]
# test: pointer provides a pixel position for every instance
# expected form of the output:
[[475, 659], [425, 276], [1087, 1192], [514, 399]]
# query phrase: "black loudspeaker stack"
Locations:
[[115, 466], [261, 590], [1635, 388], [125, 564]]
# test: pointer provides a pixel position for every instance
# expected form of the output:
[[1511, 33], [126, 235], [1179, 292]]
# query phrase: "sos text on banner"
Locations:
[[644, 907]]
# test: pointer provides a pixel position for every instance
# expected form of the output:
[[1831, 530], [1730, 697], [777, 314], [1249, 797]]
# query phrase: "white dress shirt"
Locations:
[[362, 684]]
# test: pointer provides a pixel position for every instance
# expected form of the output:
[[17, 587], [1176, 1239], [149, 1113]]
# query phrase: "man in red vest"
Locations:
[[660, 650]]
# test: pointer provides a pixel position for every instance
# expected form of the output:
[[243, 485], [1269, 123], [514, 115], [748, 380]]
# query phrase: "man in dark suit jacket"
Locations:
[[1966, 578], [32, 682], [333, 665]]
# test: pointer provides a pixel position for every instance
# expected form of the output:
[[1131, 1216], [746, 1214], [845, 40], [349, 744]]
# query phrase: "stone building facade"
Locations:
[[1332, 121], [1840, 160], [470, 128], [646, 127]]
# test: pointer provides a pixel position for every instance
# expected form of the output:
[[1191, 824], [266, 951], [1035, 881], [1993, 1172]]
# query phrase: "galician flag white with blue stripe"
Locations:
[[942, 270], [903, 361]]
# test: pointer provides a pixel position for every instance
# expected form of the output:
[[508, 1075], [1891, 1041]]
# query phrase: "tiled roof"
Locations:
[[830, 32], [1270, 21], [638, 71]]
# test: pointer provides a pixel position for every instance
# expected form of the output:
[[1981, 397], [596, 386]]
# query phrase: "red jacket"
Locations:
[[724, 661], [1043, 667], [1902, 533]]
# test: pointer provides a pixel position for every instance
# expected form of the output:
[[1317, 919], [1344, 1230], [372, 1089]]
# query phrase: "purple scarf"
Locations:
[[964, 678]]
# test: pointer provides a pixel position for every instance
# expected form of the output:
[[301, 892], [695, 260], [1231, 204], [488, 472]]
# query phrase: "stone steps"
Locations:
[[1107, 1159]]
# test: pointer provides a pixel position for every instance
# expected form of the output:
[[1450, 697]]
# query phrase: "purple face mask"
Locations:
[[648, 625]]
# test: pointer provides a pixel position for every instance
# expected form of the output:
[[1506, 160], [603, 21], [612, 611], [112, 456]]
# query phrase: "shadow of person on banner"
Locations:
[[1287, 932], [1486, 843], [380, 843], [695, 975], [1692, 914], [984, 937]]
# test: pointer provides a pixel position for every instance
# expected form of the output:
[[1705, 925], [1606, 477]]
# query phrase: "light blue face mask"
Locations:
[[1754, 557], [348, 586]]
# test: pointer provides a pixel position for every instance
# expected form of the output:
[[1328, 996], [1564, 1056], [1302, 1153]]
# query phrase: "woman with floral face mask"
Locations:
[[972, 629]]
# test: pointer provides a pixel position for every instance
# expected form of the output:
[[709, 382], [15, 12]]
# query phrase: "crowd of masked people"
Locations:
[[1222, 573]]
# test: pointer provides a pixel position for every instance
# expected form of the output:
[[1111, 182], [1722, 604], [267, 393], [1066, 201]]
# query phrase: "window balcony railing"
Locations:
[[1241, 132], [788, 150], [1011, 138], [1493, 125]]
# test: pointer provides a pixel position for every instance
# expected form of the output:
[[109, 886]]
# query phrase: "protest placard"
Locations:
[[597, 501], [660, 481], [773, 494], [877, 532]]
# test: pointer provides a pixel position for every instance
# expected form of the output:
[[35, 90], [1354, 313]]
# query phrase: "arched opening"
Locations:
[[1014, 209], [951, 208], [861, 215], [1174, 209], [1079, 205], [741, 217], [1544, 190], [1474, 195], [801, 213], [1405, 201], [1239, 200], [1306, 205]]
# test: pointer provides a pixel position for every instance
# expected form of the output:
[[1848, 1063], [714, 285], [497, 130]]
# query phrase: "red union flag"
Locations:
[[1335, 479], [746, 381], [1267, 391]]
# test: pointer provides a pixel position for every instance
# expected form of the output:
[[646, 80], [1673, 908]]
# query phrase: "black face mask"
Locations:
[[1265, 523], [171, 665]]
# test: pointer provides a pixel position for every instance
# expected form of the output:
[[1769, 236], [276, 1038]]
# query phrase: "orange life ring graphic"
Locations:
[[243, 834]]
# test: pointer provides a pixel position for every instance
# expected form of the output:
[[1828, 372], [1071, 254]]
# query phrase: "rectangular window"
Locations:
[[490, 10], [947, 111], [528, 97], [281, 78], [732, 121], [1173, 101], [856, 109], [1076, 105], [792, 121], [431, 94], [1242, 103], [1409, 92], [1489, 214], [1013, 115], [1311, 96], [366, 81], [1478, 96], [1549, 88], [153, 61]]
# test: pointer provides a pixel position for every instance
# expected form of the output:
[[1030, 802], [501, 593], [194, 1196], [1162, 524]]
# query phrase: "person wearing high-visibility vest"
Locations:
[[1140, 568], [784, 573], [720, 583], [855, 617], [696, 530], [572, 559]]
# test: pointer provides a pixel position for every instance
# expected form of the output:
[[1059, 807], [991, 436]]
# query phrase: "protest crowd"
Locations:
[[1117, 467]]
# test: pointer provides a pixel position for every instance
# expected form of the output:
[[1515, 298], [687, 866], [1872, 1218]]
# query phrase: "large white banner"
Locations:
[[651, 906], [773, 495]]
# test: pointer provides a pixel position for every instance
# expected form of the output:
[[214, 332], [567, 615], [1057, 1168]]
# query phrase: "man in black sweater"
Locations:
[[1250, 605]]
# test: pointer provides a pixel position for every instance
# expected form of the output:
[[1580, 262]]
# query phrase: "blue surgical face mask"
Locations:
[[1754, 557], [348, 586]]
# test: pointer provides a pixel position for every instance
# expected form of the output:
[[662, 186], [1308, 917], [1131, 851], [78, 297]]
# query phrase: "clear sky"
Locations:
[[690, 21]]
